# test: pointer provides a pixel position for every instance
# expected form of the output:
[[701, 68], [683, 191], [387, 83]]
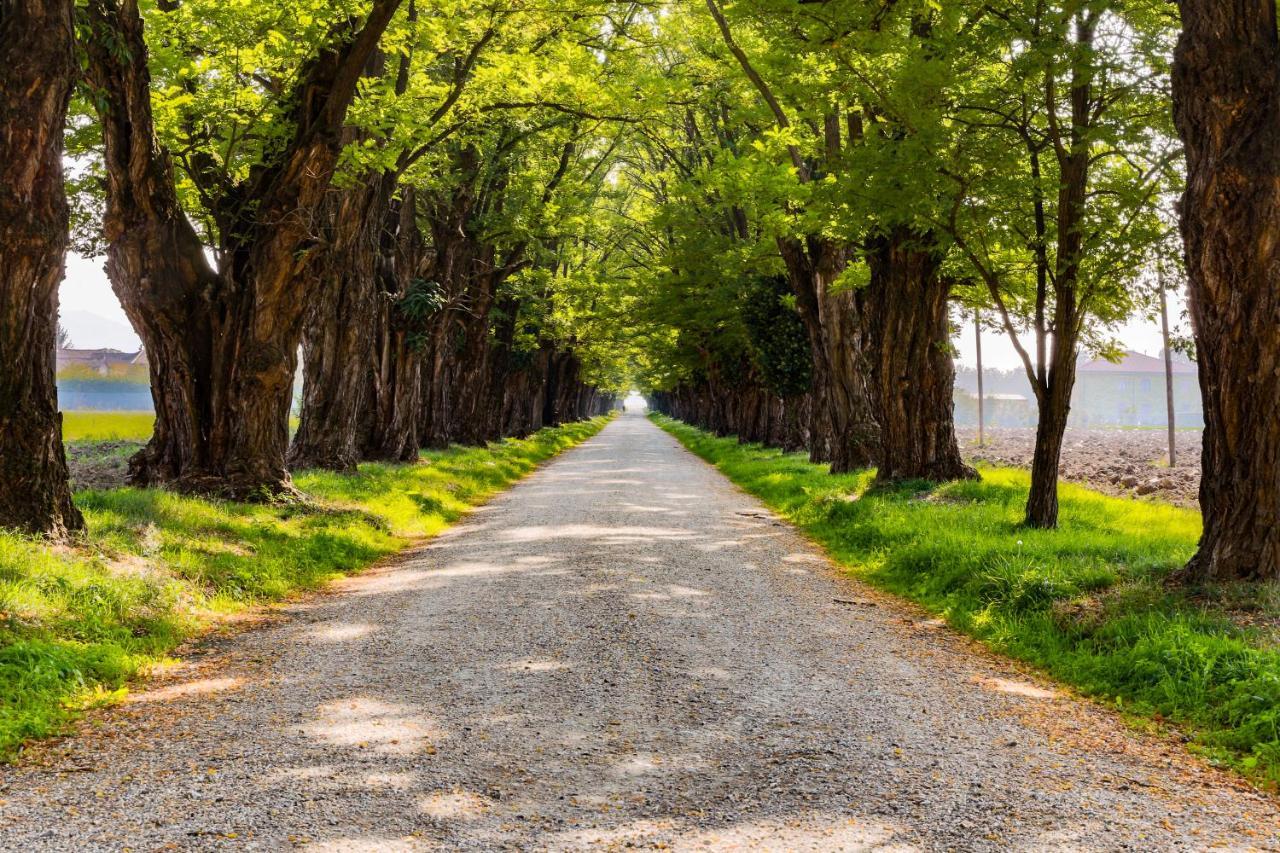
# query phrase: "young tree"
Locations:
[[37, 73], [1226, 89], [1058, 175]]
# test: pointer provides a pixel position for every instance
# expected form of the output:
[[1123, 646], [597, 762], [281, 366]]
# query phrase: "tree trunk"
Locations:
[[909, 351], [1226, 86], [1053, 412], [1054, 409], [470, 392], [337, 348], [392, 424], [843, 429], [222, 345], [37, 70]]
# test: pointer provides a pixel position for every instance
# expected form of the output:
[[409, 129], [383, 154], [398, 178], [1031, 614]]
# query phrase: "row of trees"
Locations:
[[471, 216], [394, 188], [842, 174]]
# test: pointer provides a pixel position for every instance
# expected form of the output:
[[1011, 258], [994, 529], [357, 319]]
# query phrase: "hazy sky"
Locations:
[[1138, 334], [93, 316]]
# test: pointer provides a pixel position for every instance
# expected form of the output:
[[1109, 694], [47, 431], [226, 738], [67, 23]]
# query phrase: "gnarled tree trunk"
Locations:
[[392, 423], [843, 428], [222, 344], [37, 70], [337, 347], [1226, 87], [909, 352]]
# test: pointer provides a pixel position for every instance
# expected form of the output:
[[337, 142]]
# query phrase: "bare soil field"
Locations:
[[1130, 462], [100, 464]]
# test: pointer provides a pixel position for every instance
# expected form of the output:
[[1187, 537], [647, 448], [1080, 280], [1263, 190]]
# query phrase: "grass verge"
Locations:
[[1088, 603], [76, 624]]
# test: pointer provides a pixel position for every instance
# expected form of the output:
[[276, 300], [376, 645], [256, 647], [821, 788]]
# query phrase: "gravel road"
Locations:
[[622, 651]]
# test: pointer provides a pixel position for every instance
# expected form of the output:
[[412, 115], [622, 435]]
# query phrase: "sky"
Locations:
[[93, 316], [89, 310], [1138, 334]]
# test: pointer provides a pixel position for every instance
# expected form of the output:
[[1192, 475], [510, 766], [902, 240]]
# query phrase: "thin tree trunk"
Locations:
[[1226, 86], [37, 70], [1054, 407], [1042, 502], [1168, 376], [977, 337]]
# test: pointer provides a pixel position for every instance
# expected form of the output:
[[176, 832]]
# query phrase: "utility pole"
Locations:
[[977, 336], [1168, 364]]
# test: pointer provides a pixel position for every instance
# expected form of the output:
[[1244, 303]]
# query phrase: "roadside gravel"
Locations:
[[622, 651]]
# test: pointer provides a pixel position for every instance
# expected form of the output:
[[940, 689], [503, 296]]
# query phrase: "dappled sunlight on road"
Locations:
[[199, 687], [367, 722], [342, 632]]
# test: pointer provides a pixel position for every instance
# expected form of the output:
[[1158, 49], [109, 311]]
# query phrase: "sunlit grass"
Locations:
[[1088, 602], [114, 426], [107, 426], [76, 624]]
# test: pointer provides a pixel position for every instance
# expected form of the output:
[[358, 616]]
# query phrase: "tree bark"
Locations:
[[905, 310], [222, 344], [337, 347], [1054, 410], [37, 71], [843, 428], [1226, 86], [392, 425]]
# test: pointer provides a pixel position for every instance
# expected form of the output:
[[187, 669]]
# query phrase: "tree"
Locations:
[[1226, 90], [37, 73], [221, 338], [844, 430], [372, 253], [1058, 177]]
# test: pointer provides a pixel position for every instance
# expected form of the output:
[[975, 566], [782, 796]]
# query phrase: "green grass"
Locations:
[[114, 426], [107, 426], [1088, 603], [155, 568]]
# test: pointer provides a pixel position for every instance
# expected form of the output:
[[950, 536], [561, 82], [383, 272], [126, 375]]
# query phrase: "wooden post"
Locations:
[[1168, 365], [977, 336]]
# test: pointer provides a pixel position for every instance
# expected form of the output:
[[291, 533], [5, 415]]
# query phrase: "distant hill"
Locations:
[[93, 331]]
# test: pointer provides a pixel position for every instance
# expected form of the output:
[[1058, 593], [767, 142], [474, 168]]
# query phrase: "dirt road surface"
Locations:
[[622, 651]]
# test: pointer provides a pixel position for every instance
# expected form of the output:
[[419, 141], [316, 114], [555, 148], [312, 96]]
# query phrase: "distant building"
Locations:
[[1131, 392], [1127, 393], [98, 360], [999, 409], [103, 380]]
